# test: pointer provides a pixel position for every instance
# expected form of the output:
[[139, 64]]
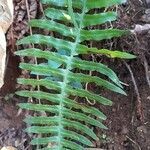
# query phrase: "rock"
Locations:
[[6, 18], [146, 16], [148, 3], [8, 148]]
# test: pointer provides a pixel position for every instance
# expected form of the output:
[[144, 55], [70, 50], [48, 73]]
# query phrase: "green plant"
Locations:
[[63, 75]]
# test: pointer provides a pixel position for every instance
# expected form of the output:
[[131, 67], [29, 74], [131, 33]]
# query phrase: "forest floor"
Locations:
[[129, 118]]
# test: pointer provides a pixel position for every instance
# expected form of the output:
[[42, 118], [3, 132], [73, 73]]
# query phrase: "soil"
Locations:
[[129, 117]]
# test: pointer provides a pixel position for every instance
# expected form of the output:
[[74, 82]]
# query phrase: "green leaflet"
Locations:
[[72, 76], [69, 90], [117, 54], [67, 123], [81, 49], [34, 52], [77, 63], [62, 74], [88, 20], [65, 133], [98, 35], [46, 40], [39, 141], [68, 102], [89, 3], [43, 141], [53, 26], [70, 114]]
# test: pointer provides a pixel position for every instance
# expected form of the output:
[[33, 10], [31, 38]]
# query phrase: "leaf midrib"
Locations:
[[68, 68]]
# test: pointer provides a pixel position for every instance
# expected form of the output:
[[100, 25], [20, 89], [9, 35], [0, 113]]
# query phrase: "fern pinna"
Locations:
[[63, 74]]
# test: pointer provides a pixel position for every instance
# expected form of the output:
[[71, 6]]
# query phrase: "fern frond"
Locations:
[[66, 124]]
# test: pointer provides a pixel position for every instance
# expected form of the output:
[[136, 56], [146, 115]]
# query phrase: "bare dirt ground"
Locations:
[[129, 118]]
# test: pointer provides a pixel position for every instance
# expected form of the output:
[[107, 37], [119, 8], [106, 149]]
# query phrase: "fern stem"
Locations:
[[69, 66]]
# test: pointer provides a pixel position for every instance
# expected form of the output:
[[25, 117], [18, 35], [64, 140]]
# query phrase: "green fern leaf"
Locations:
[[66, 123]]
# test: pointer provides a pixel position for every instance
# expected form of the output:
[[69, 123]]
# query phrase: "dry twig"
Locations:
[[139, 148], [31, 33], [139, 103], [147, 72]]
